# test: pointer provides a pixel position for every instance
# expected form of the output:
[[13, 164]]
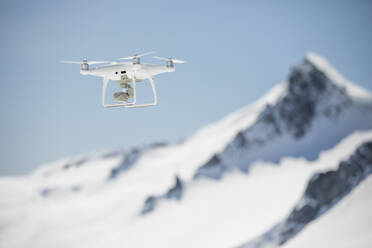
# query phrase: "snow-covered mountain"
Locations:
[[249, 178], [314, 101]]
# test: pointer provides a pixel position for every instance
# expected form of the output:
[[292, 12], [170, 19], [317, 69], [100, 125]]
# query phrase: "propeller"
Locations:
[[177, 61], [84, 62], [135, 56]]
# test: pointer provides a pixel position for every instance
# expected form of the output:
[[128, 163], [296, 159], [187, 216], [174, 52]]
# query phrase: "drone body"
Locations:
[[127, 75]]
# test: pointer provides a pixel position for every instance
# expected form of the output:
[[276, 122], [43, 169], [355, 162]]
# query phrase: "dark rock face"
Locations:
[[131, 157], [174, 192], [76, 163], [149, 205], [306, 86], [322, 192], [297, 108], [309, 94], [305, 214], [113, 154], [213, 167], [241, 140], [297, 116], [269, 117], [49, 191], [215, 160], [326, 186], [128, 160]]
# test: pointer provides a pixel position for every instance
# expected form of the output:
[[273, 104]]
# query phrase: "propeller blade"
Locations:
[[144, 54], [161, 58], [178, 61], [98, 62], [137, 55], [130, 57], [82, 62]]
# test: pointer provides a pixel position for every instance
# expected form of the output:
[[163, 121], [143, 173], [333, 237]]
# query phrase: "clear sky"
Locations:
[[236, 51]]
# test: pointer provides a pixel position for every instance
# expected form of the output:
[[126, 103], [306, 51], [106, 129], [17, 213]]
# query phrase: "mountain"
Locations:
[[314, 101], [231, 183], [293, 121]]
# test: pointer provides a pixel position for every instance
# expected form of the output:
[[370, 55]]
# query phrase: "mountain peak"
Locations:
[[316, 105], [335, 76]]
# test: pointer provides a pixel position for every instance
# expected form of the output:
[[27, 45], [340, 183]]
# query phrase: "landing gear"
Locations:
[[128, 93]]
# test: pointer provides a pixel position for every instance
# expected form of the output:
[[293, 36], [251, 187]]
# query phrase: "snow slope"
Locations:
[[348, 224], [237, 208], [323, 191]]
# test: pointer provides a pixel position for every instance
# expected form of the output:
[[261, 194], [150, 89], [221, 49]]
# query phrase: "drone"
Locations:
[[127, 75]]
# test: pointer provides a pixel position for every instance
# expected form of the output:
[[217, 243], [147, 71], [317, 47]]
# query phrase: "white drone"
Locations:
[[127, 74]]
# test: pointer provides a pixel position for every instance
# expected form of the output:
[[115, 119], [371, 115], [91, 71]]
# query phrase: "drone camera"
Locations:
[[121, 96]]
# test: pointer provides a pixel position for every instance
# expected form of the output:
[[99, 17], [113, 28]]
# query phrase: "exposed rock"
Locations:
[[49, 191], [128, 160], [131, 157], [75, 163], [241, 140], [325, 187], [113, 154], [174, 192], [149, 205], [213, 168]]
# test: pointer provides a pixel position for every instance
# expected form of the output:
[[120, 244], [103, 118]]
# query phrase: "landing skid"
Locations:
[[133, 103]]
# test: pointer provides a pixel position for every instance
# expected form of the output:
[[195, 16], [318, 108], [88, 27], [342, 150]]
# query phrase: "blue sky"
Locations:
[[236, 51]]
